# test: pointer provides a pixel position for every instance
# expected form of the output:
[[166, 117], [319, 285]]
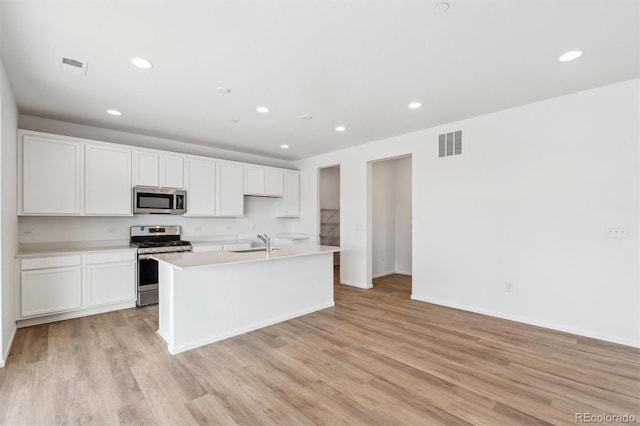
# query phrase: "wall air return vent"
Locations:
[[450, 144], [74, 66]]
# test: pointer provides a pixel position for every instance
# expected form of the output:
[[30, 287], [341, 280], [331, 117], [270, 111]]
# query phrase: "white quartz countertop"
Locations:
[[70, 247], [220, 258], [217, 242]]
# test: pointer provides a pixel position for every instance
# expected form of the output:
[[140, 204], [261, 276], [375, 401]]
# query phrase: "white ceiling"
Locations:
[[347, 62]]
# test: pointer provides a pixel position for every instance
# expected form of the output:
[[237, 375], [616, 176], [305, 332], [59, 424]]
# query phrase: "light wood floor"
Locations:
[[376, 358]]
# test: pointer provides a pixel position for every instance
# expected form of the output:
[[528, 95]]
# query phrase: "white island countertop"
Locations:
[[220, 258]]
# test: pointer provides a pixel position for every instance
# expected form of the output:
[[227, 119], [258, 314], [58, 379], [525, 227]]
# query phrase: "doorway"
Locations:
[[390, 206], [329, 208]]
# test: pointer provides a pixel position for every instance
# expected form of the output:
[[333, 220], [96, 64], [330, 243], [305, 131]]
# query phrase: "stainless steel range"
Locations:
[[148, 240]]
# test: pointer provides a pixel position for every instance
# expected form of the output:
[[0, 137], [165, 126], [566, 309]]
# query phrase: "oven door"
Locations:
[[147, 280]]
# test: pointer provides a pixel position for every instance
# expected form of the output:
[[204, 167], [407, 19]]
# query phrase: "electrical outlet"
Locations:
[[198, 228], [111, 230], [508, 287], [253, 227], [616, 231], [27, 232]]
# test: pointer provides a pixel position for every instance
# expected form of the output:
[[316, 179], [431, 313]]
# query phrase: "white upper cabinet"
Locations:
[[200, 180], [171, 171], [274, 186], [110, 278], [254, 182], [50, 176], [107, 180], [229, 189], [156, 168], [146, 171], [263, 181], [61, 176], [290, 202]]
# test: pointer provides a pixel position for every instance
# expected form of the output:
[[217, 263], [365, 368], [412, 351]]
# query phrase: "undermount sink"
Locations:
[[251, 250]]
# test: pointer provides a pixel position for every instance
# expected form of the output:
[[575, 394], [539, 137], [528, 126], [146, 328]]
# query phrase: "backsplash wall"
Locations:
[[260, 217]]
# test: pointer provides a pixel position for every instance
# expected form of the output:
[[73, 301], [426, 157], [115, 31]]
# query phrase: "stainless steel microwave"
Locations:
[[149, 199]]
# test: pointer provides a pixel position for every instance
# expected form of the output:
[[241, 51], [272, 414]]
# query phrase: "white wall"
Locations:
[[403, 226], [383, 216], [8, 227], [330, 188], [527, 203], [391, 217]]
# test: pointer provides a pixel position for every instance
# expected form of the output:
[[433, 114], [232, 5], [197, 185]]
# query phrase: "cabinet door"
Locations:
[[51, 176], [201, 189], [47, 291], [290, 203], [145, 168], [172, 171], [107, 181], [110, 283], [229, 189], [254, 182], [274, 186]]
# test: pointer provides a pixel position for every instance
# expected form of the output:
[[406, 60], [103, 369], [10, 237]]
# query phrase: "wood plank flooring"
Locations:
[[376, 358]]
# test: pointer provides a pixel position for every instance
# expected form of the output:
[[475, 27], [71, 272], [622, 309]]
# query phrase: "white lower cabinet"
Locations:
[[51, 290], [73, 285], [110, 278]]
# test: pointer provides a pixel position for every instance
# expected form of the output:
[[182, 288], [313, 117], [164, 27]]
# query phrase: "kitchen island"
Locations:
[[210, 296]]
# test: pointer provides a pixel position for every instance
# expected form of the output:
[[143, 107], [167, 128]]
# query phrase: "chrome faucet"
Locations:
[[266, 240]]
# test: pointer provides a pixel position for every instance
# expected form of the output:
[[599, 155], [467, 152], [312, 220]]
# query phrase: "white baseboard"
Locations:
[[5, 355], [530, 321], [382, 274], [353, 284]]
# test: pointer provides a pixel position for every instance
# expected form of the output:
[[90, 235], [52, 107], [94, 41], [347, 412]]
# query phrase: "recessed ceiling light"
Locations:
[[441, 7], [414, 105], [284, 146], [223, 90], [570, 56], [113, 112], [306, 117], [262, 109], [141, 63], [340, 129]]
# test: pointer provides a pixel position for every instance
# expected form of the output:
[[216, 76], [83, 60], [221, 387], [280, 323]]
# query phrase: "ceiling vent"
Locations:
[[450, 144], [74, 66]]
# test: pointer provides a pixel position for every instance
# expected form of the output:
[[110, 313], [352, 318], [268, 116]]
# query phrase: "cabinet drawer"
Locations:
[[50, 262], [121, 256]]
